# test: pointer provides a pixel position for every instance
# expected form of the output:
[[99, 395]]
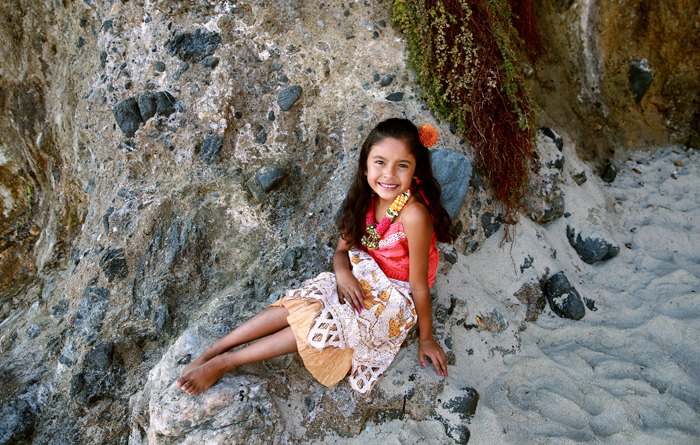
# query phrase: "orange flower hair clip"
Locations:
[[428, 135]]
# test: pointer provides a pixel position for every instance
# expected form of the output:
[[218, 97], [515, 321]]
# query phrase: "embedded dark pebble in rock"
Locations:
[[210, 62], [33, 331], [386, 80], [238, 115], [271, 116], [81, 42], [113, 264], [103, 59], [194, 47], [591, 250], [558, 141], [609, 173], [261, 136], [309, 403], [165, 103], [376, 77], [580, 178], [452, 170], [107, 24], [395, 97], [147, 105], [365, 85], [159, 66], [59, 309], [17, 421], [557, 163], [563, 298], [184, 67], [640, 78], [128, 116], [288, 97], [163, 319], [269, 177], [211, 148]]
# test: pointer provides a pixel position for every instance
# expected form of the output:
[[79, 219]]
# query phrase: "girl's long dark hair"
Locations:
[[351, 220]]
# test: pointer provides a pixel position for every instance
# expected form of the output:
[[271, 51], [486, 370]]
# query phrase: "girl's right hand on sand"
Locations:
[[349, 290]]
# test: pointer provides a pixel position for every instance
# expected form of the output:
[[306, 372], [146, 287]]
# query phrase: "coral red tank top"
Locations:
[[392, 255]]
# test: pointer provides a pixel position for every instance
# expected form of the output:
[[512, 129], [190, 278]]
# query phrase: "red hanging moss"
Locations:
[[463, 53]]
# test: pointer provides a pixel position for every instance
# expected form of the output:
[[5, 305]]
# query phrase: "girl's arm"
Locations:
[[419, 230], [349, 288]]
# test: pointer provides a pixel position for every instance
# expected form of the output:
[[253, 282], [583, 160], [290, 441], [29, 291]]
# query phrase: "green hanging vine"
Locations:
[[463, 53]]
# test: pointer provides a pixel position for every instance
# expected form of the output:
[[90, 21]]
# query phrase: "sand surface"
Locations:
[[629, 371]]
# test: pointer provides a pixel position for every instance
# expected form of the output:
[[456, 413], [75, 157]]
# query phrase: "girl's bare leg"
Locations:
[[269, 321], [197, 380]]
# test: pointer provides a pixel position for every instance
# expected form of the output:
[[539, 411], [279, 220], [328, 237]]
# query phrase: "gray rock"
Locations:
[[163, 319], [269, 177], [558, 141], [17, 422], [386, 80], [103, 59], [261, 136], [128, 116], [563, 298], [211, 149], [580, 178], [640, 78], [184, 67], [59, 309], [365, 85], [609, 173], [452, 170], [99, 378], [91, 311], [33, 331], [147, 105], [288, 97], [210, 62], [159, 66], [395, 97], [592, 248], [194, 47], [166, 104], [113, 264], [271, 116], [490, 223]]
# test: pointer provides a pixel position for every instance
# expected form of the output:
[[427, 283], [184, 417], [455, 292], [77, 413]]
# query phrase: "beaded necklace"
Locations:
[[374, 231]]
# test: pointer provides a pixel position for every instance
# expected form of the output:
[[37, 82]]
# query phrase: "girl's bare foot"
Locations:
[[199, 379], [199, 361]]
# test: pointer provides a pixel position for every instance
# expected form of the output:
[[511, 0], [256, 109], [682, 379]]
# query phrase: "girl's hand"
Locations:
[[430, 348], [349, 290]]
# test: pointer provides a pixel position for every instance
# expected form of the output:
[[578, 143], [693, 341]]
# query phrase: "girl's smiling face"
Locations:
[[390, 168]]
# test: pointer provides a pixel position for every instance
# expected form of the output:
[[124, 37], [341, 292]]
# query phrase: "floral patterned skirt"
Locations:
[[333, 339]]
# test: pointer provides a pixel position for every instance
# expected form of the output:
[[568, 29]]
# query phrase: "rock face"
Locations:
[[642, 93]]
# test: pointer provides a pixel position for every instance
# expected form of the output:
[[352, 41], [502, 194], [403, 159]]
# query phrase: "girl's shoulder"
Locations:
[[416, 214]]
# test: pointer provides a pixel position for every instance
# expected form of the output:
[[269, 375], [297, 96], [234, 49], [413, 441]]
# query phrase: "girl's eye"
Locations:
[[403, 166]]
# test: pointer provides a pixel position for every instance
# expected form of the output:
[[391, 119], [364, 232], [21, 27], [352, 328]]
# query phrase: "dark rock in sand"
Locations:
[[452, 170], [591, 249], [558, 141], [640, 78], [288, 97], [609, 173], [194, 47], [563, 298], [128, 116], [465, 407], [580, 178], [211, 148]]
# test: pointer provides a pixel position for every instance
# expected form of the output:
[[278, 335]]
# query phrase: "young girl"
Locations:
[[353, 323]]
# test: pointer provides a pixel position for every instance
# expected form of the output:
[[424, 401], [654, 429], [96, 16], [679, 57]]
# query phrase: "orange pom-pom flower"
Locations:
[[428, 135]]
